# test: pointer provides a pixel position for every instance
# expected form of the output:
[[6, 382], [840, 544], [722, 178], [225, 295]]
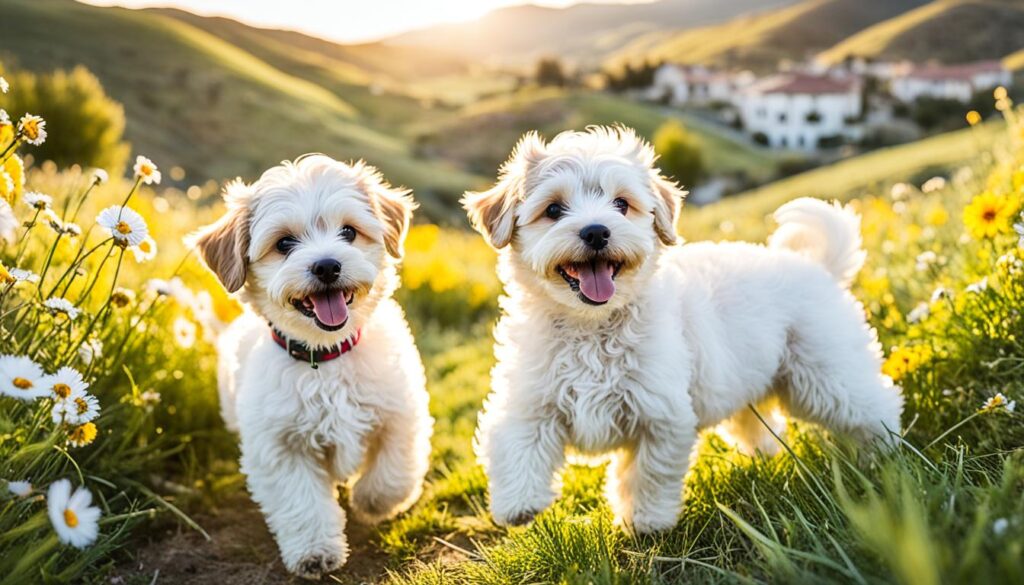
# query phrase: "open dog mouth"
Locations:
[[328, 309], [593, 280]]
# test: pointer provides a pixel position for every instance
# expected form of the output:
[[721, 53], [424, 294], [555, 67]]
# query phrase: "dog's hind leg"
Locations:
[[750, 435], [836, 382], [392, 478]]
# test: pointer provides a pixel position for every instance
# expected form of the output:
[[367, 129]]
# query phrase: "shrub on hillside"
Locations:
[[87, 125], [680, 156]]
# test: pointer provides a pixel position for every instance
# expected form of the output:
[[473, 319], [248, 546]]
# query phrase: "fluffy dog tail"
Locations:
[[824, 232]]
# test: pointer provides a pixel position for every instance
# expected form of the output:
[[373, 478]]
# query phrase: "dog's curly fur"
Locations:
[[691, 335], [360, 418]]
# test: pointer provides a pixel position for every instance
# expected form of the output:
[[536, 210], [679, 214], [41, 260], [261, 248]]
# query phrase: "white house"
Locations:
[[955, 82], [801, 111], [695, 85]]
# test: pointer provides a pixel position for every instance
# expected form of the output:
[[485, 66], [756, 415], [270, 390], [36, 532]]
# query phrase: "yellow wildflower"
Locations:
[[82, 435], [936, 216], [15, 169], [973, 117], [905, 360], [989, 215]]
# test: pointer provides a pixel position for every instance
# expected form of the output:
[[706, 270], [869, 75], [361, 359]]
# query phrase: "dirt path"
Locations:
[[241, 552]]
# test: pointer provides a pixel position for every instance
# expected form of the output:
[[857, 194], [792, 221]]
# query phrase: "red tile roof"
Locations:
[[962, 72], [804, 83]]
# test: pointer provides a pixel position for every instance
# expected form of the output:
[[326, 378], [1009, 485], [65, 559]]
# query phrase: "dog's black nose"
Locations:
[[327, 270], [596, 236]]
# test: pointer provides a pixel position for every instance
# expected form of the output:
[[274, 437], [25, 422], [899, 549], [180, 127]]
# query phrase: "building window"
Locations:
[[782, 116], [813, 117]]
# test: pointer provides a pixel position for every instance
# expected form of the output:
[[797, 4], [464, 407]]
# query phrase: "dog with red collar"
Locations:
[[320, 376]]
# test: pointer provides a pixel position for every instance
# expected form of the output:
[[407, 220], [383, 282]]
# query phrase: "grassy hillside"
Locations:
[[853, 177], [948, 30], [761, 40], [482, 134], [196, 99], [584, 32]]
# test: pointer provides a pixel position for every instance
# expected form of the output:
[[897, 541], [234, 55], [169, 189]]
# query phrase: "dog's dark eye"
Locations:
[[348, 233], [554, 211], [285, 244], [621, 205]]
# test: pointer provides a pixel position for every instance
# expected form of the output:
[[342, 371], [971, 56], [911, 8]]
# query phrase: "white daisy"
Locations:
[[19, 488], [940, 293], [99, 176], [173, 288], [146, 170], [5, 118], [58, 305], [925, 260], [899, 191], [37, 200], [65, 382], [22, 378], [184, 332], [125, 224], [1019, 229], [933, 184], [4, 86], [21, 275], [90, 350], [71, 229], [999, 526], [32, 129], [8, 222], [978, 287], [145, 251], [76, 522], [77, 409], [999, 402], [919, 313]]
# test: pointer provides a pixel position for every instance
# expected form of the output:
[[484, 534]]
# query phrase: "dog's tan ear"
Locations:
[[492, 212], [224, 244], [668, 200], [394, 207]]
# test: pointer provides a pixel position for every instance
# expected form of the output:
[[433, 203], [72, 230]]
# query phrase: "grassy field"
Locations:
[[947, 506]]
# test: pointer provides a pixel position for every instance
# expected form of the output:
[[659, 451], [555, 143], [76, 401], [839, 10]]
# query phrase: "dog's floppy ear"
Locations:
[[224, 244], [492, 212], [394, 207], [668, 199]]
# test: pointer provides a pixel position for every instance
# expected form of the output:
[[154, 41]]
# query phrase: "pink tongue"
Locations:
[[330, 307], [596, 280]]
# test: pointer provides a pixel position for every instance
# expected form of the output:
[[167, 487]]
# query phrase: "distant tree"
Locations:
[[680, 156], [85, 125], [549, 72]]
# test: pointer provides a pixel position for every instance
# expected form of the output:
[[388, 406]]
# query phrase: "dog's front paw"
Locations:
[[643, 522], [317, 563]]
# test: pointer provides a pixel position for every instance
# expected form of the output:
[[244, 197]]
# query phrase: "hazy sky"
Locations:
[[342, 20]]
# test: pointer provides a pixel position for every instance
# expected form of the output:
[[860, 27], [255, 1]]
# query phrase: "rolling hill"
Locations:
[[948, 30], [759, 41], [584, 32], [220, 99]]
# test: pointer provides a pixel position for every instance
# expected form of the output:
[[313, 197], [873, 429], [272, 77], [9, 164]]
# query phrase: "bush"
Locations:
[[86, 126], [680, 156], [550, 72]]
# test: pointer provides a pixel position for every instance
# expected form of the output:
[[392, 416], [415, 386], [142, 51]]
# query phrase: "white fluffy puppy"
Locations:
[[320, 375], [614, 339]]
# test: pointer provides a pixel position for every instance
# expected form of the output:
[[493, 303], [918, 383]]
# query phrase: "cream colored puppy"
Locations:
[[616, 339], [320, 375]]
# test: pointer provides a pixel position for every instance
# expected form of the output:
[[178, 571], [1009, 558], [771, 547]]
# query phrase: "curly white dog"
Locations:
[[320, 375], [615, 339]]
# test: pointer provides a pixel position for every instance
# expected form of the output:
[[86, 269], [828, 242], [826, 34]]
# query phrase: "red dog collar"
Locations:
[[301, 351]]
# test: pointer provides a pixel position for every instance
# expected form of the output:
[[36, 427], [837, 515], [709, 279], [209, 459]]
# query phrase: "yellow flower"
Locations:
[[15, 169], [973, 117], [122, 297], [936, 216], [989, 215], [998, 402], [999, 93], [82, 435], [904, 360], [5, 276]]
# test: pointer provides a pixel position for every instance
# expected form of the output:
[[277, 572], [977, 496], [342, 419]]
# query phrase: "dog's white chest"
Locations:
[[596, 388]]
